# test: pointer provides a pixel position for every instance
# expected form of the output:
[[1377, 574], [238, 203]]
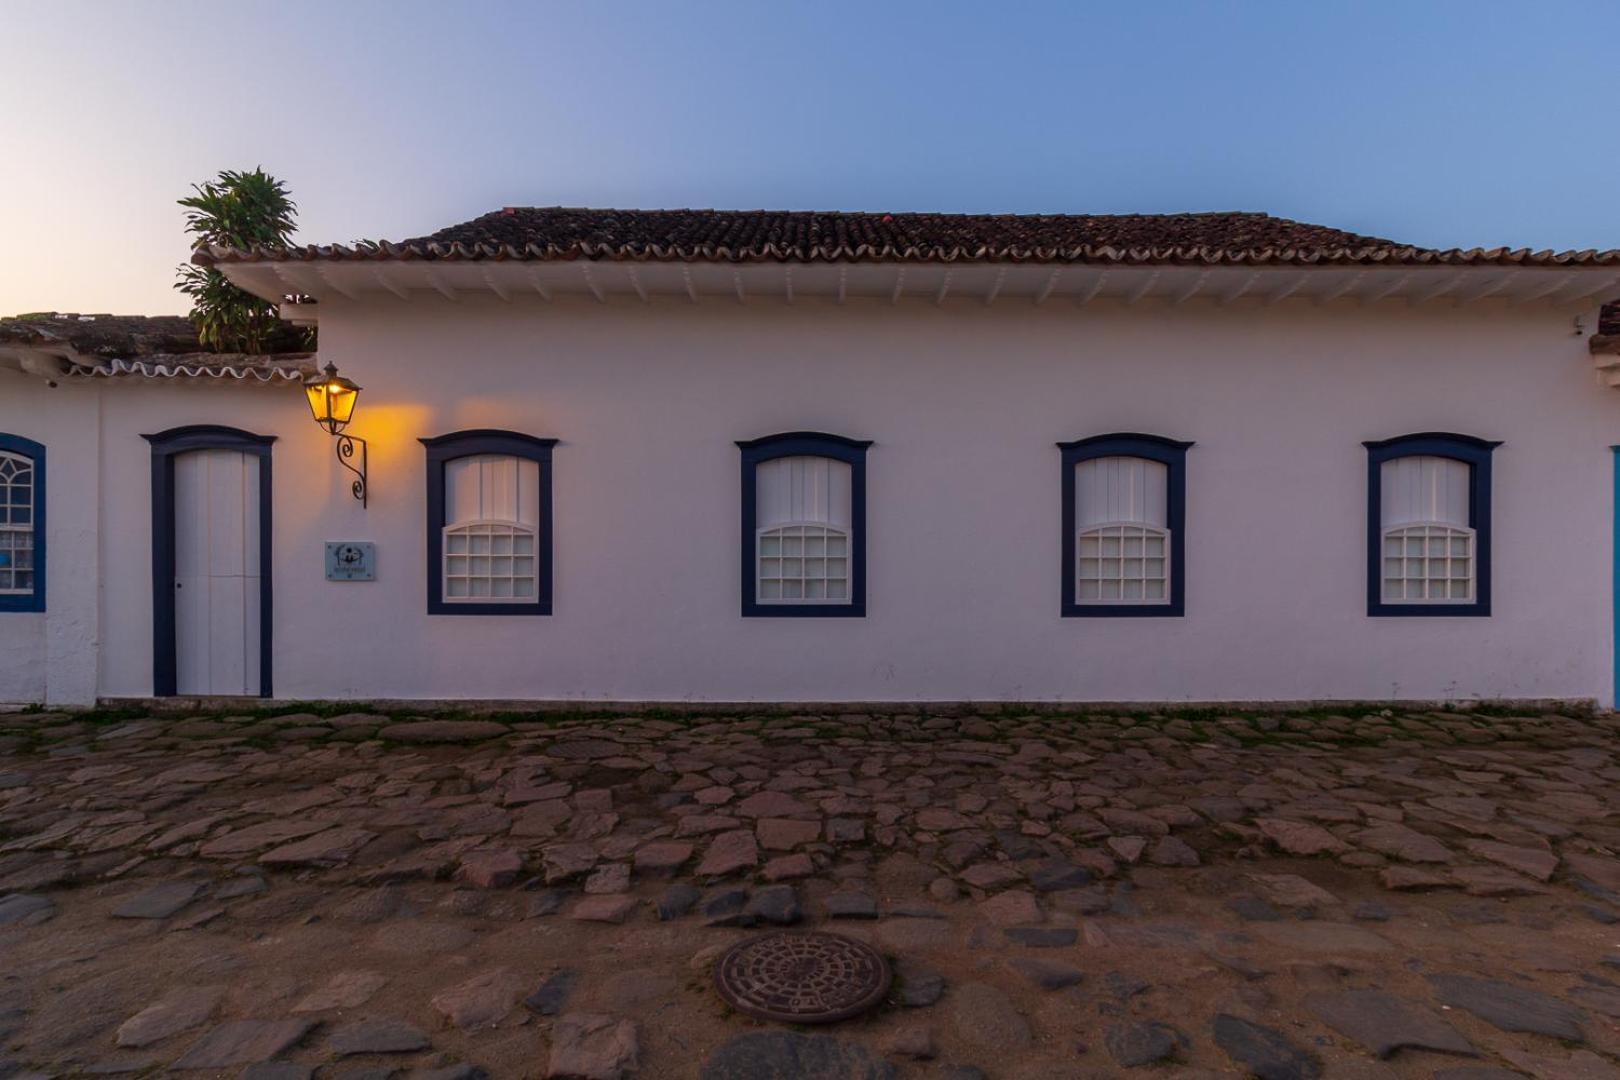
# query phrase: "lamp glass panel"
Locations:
[[341, 401], [316, 392]]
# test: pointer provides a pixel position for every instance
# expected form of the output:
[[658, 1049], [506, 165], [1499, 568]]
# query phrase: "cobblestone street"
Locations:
[[1183, 895]]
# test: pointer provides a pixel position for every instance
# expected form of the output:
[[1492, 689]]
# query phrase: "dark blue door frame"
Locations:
[[165, 446]]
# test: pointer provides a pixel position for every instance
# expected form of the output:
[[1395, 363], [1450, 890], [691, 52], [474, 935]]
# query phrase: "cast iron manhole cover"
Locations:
[[801, 977]]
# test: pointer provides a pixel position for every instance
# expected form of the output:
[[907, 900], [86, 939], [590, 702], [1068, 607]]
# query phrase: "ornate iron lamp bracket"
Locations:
[[346, 448]]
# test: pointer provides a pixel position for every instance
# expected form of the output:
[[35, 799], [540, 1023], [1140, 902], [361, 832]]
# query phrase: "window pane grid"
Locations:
[[488, 562], [1431, 564], [1123, 564], [803, 564], [16, 525]]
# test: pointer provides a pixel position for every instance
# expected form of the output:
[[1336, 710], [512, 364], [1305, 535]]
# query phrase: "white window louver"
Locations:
[[491, 529], [802, 530], [1427, 545], [1122, 531]]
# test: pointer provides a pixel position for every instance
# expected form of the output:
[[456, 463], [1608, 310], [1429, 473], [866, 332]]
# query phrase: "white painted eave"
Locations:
[[983, 283]]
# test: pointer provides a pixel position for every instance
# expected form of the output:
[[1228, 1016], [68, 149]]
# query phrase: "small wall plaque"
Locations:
[[351, 560]]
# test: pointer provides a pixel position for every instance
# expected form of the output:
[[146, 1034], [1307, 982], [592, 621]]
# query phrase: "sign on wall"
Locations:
[[351, 560]]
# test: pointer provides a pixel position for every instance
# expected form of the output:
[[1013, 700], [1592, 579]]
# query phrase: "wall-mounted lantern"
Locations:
[[332, 399]]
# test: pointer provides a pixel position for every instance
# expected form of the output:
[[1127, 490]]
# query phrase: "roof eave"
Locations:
[[340, 281]]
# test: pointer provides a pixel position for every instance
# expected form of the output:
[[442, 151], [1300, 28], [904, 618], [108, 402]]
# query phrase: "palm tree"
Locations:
[[241, 210]]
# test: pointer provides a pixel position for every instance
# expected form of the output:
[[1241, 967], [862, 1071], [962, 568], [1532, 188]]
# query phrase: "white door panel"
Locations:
[[216, 561]]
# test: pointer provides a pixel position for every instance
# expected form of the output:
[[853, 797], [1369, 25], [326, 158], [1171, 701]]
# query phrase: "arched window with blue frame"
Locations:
[[1429, 525], [22, 524], [1124, 526], [804, 525]]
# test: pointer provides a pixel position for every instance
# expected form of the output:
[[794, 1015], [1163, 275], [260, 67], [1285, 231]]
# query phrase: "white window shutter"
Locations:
[[491, 510], [1425, 489], [1428, 547], [1119, 489], [803, 490], [1122, 518], [802, 518], [492, 487]]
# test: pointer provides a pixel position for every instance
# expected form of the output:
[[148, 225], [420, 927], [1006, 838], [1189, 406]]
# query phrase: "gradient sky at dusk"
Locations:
[[1438, 123]]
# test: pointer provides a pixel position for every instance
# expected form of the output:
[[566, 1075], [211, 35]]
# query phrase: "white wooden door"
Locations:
[[216, 572]]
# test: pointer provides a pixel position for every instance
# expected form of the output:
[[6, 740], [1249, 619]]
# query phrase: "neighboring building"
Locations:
[[621, 456]]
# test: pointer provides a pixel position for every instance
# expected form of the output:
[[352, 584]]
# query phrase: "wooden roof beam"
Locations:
[[1557, 284], [1434, 292], [496, 287], [1609, 284], [1490, 287], [539, 286], [591, 283], [1288, 289], [635, 282], [995, 286], [1143, 289], [441, 286], [326, 277], [1227, 299], [1190, 291], [1091, 294], [1343, 289], [385, 279], [1047, 287], [296, 284], [1379, 294]]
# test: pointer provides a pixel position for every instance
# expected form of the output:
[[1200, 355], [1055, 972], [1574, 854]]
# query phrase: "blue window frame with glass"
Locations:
[[488, 523], [22, 524], [1124, 526], [804, 526], [1429, 525]]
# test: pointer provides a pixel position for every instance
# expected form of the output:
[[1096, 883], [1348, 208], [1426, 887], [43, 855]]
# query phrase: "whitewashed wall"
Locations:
[[964, 405], [54, 655]]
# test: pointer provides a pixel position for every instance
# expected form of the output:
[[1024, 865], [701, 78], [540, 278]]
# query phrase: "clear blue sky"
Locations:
[[1436, 123]]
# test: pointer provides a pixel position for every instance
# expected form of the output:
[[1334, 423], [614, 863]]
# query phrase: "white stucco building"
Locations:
[[718, 457]]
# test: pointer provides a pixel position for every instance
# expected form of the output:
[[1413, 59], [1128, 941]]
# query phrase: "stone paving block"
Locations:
[[1509, 1007], [244, 1042], [160, 901]]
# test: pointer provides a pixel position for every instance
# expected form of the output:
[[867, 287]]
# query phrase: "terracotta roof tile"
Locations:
[[125, 337], [552, 233]]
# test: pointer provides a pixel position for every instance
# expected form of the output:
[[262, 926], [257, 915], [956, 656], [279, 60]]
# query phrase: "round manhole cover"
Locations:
[[802, 977]]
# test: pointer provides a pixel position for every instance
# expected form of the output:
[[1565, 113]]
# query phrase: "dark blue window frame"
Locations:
[[1173, 455], [1471, 451], [459, 444], [35, 453], [811, 444]]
